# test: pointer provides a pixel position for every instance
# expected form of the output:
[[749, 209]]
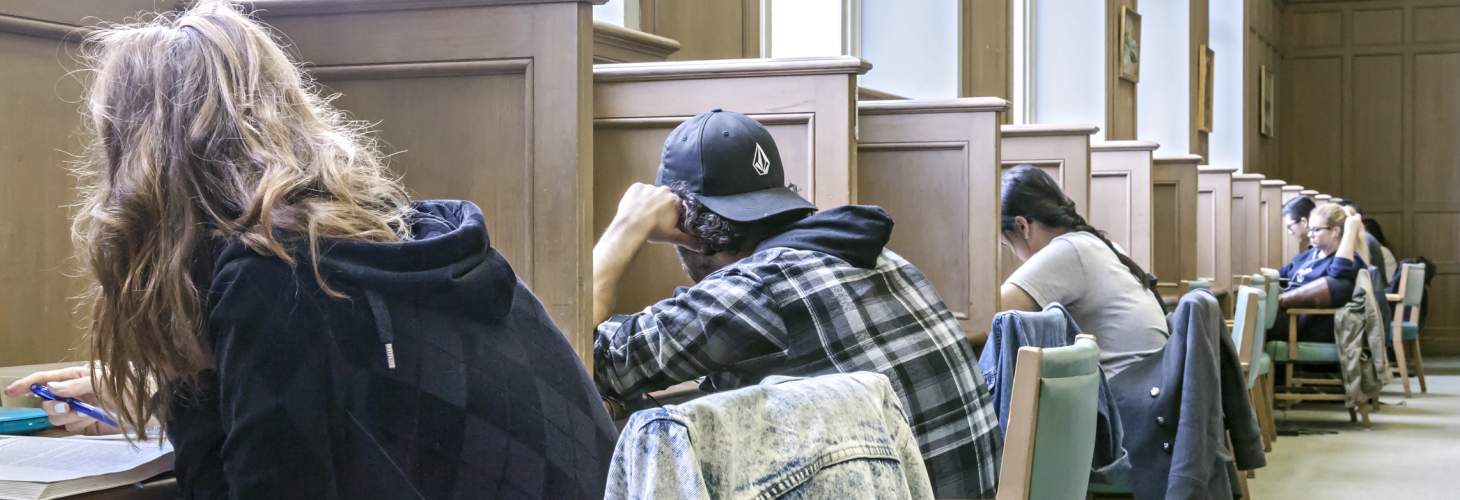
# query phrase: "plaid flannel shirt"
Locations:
[[803, 313]]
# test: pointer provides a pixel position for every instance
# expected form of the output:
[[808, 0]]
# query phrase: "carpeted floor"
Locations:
[[1413, 451]]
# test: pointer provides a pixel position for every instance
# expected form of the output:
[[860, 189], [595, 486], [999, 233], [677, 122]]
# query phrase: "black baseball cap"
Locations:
[[730, 162]]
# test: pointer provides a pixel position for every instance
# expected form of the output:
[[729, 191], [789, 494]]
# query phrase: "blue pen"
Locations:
[[85, 409]]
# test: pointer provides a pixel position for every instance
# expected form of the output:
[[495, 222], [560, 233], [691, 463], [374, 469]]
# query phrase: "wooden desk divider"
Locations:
[[1322, 198], [1120, 195], [807, 104], [1248, 237], [39, 130], [1290, 245], [1063, 150], [485, 101], [1214, 227], [934, 166], [1311, 193], [616, 44], [1273, 233], [1174, 232]]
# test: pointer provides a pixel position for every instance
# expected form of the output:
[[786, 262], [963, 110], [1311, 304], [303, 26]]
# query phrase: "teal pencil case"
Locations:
[[23, 420]]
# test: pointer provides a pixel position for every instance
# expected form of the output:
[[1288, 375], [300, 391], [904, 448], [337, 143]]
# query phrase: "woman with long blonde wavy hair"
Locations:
[[269, 297]]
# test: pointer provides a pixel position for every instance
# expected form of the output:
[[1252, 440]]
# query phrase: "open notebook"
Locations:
[[35, 468]]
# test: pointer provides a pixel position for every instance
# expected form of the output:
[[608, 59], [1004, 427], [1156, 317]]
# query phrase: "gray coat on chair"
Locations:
[[1179, 407]]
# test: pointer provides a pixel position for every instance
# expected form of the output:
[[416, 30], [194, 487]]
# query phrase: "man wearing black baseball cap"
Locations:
[[781, 289]]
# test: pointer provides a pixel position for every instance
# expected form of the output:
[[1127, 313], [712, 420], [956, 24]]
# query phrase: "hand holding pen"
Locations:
[[68, 386]]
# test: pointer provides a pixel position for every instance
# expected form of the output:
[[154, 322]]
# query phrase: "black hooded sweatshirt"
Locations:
[[440, 376]]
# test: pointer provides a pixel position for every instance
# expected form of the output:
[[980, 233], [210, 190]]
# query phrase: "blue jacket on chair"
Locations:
[[1052, 327]]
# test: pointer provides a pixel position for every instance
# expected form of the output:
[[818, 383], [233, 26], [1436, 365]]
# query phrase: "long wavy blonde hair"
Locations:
[[203, 130]]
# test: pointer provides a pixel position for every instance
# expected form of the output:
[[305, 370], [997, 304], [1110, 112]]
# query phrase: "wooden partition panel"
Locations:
[[616, 44], [1271, 215], [1061, 150], [39, 125], [1247, 225], [1290, 244], [1174, 216], [1214, 227], [934, 166], [1323, 198], [486, 101], [807, 104], [1120, 195]]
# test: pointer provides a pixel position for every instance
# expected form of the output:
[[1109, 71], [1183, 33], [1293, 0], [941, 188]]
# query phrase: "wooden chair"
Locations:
[[1247, 335], [1292, 352], [1051, 432], [1405, 330]]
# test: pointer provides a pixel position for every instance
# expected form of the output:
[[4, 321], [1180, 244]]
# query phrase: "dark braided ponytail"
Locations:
[[1031, 193]]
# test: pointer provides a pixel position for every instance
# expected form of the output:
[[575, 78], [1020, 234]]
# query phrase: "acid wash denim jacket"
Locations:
[[842, 436]]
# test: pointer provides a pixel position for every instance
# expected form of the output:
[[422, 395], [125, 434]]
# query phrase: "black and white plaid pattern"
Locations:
[[803, 313]]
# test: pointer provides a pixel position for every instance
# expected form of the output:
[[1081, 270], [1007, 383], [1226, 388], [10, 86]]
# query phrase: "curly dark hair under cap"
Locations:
[[719, 234]]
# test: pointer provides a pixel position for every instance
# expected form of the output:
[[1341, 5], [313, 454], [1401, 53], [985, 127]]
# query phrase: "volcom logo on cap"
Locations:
[[761, 163]]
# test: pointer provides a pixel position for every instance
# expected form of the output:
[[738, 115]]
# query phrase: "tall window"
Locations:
[[1022, 77], [806, 28], [913, 46], [620, 12]]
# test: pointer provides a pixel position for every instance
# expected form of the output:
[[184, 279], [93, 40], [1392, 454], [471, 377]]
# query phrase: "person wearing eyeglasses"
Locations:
[[1324, 274], [1295, 219]]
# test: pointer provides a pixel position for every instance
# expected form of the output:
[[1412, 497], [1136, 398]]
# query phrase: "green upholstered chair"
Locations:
[[1290, 352], [1247, 335], [1051, 431], [1405, 331]]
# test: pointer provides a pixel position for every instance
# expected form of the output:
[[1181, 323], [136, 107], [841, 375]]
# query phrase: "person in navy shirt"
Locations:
[[1323, 275]]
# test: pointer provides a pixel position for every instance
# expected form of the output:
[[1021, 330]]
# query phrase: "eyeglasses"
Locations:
[[1316, 229]]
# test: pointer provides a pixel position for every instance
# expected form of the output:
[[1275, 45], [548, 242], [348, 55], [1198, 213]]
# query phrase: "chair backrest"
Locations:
[[1274, 288], [1246, 333], [1412, 284], [1052, 415], [1198, 284]]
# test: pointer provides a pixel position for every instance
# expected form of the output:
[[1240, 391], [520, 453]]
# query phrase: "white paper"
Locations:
[[49, 460]]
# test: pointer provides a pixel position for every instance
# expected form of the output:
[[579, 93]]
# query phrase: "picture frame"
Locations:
[[1129, 43], [1267, 107], [1206, 70]]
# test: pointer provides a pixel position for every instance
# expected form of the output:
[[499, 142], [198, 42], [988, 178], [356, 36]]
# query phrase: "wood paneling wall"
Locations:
[[1120, 95], [705, 29], [934, 166], [1214, 226], [39, 131], [807, 104], [485, 101], [1120, 195], [1372, 109], [1261, 48], [985, 38], [1200, 36], [1174, 219]]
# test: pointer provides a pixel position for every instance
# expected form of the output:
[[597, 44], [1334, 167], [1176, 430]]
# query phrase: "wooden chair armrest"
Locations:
[[1312, 312], [1394, 297]]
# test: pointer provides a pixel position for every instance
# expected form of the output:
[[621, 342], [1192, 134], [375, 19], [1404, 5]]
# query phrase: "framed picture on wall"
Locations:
[[1130, 45], [1266, 90], [1206, 68]]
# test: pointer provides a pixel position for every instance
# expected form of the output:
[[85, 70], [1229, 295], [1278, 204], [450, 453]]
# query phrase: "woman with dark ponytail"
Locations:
[[1065, 260]]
